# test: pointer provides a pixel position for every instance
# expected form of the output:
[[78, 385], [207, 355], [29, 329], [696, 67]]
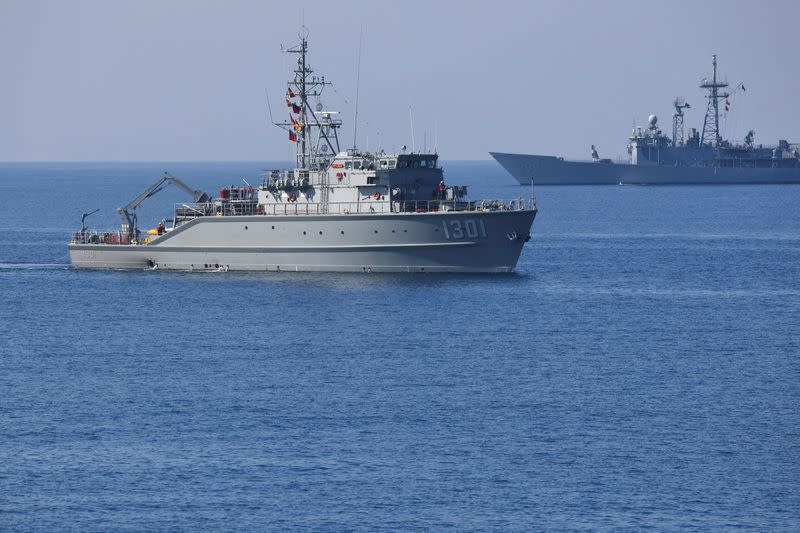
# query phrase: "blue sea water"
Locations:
[[640, 370]]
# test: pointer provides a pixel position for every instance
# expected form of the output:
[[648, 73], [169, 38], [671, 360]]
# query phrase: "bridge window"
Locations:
[[348, 165], [392, 163], [357, 165], [384, 164]]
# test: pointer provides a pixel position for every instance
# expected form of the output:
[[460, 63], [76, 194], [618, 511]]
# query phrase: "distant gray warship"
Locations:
[[657, 159], [337, 210]]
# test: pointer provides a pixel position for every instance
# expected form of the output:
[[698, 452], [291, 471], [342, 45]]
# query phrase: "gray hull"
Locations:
[[477, 241], [549, 170]]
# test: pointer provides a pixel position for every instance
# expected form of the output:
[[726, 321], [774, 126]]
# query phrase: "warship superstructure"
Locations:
[[701, 157], [336, 210]]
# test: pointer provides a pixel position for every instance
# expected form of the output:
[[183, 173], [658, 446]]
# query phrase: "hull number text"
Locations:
[[463, 229]]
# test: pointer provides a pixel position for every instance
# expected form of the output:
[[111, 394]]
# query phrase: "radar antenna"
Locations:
[[677, 120], [711, 122]]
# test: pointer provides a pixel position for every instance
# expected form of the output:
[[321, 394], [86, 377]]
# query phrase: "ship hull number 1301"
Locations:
[[461, 229]]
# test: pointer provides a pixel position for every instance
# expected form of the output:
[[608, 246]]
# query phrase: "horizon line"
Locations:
[[73, 161]]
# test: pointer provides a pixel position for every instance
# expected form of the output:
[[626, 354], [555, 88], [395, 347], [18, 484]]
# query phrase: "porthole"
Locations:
[[393, 231], [376, 231], [245, 227], [342, 232], [273, 227], [320, 233], [304, 233]]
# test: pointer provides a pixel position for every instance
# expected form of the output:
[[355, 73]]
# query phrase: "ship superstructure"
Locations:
[[702, 156], [336, 210]]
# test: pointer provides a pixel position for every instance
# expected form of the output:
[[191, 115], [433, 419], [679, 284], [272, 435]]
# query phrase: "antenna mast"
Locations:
[[711, 122], [677, 121], [358, 86], [411, 118], [305, 85]]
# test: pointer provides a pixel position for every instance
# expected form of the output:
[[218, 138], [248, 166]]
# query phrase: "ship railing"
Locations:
[[185, 212], [433, 206], [101, 237]]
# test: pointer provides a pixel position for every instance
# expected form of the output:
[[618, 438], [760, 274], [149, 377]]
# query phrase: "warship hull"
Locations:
[[549, 170], [474, 241]]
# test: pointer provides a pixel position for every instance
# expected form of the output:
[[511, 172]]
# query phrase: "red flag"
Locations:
[[292, 136], [289, 103], [295, 109], [290, 93]]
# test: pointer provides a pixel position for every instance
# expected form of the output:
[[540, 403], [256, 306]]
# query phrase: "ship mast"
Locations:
[[302, 72], [711, 122], [677, 121], [304, 85]]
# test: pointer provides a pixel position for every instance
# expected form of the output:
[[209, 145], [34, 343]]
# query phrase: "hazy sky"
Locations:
[[185, 80]]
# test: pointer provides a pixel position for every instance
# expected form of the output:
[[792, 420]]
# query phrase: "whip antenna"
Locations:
[[358, 86], [411, 119], [269, 107]]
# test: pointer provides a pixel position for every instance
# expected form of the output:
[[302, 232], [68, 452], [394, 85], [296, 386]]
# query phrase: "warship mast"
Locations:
[[306, 85], [308, 161], [711, 122]]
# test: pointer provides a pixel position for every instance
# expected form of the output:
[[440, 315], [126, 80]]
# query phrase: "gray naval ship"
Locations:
[[337, 210], [699, 157]]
